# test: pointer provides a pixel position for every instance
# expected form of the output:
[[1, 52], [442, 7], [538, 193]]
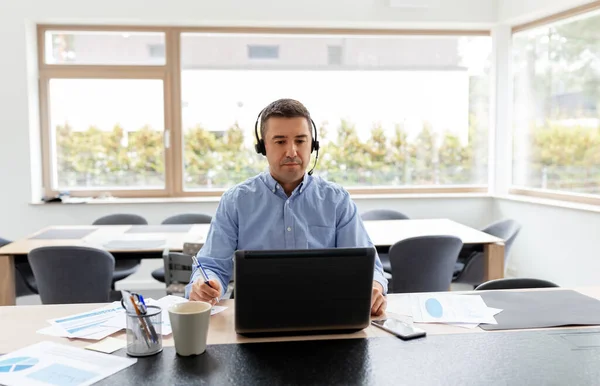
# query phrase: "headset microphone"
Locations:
[[315, 164]]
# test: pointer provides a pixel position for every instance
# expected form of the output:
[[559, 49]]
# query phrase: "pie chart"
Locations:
[[17, 364], [434, 308]]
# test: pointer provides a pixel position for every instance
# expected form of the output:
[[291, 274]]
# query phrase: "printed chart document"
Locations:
[[86, 325], [451, 309], [48, 363]]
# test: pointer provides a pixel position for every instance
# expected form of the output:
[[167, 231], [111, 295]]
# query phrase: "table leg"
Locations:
[[7, 280], [493, 261]]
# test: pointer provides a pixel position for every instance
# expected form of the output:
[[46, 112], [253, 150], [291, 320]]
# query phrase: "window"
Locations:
[[263, 52], [102, 47], [157, 51], [400, 111], [170, 112], [107, 134], [556, 114], [103, 113]]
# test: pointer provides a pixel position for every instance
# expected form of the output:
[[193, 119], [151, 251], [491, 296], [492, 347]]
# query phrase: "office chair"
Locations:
[[424, 263], [469, 267], [181, 219], [384, 214], [515, 283], [123, 267], [188, 218], [72, 274], [178, 268]]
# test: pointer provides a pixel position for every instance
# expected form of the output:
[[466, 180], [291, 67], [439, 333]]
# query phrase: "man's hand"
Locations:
[[201, 291], [378, 301]]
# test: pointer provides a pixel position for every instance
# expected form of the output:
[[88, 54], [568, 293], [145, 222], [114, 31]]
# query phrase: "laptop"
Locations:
[[303, 291]]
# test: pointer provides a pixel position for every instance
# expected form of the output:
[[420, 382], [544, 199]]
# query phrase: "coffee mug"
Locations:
[[189, 322]]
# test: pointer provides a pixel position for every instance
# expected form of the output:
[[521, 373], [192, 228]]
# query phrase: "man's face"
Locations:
[[287, 141]]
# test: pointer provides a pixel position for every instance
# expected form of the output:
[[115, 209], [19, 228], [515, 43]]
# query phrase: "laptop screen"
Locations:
[[303, 290]]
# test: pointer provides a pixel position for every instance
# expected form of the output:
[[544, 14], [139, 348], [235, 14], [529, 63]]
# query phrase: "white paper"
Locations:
[[448, 308], [400, 305], [119, 321], [108, 345], [48, 363], [89, 325], [217, 309]]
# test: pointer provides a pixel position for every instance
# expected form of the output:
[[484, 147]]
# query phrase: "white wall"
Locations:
[[556, 244], [362, 13]]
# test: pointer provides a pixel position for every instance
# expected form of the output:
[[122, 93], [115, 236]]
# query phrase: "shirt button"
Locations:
[[287, 202], [289, 229]]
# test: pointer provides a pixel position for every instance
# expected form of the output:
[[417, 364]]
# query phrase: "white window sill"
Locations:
[[549, 202], [164, 200]]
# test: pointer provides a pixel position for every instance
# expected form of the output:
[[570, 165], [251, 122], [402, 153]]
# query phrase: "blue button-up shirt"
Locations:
[[258, 215]]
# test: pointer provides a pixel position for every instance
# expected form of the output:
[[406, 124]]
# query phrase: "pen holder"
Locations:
[[144, 332]]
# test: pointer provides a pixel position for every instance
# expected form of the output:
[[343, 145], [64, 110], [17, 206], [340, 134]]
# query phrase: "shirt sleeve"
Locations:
[[351, 233], [216, 255]]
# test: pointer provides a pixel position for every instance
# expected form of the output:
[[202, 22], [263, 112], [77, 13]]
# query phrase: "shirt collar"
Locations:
[[274, 185]]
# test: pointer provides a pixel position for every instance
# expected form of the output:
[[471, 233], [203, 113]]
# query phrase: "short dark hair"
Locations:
[[285, 108]]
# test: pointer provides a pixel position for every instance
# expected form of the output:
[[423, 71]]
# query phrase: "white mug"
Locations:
[[189, 322]]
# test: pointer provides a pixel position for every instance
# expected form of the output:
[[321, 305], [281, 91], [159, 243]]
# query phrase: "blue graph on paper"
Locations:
[[62, 375], [434, 308], [17, 364]]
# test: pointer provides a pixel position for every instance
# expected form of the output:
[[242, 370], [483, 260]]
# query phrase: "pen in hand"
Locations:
[[203, 273]]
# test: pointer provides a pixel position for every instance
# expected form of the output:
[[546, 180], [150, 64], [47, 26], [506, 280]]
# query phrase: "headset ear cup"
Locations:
[[315, 145], [260, 147]]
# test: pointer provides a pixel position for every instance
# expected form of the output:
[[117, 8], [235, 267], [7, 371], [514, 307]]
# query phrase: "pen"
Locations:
[[203, 273], [144, 310], [141, 321]]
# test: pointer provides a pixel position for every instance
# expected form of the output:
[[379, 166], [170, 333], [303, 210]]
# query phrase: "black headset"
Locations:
[[260, 143]]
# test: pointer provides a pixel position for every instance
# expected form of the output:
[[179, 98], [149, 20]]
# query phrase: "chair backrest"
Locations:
[[383, 214], [121, 219], [515, 283], [505, 229], [72, 274], [192, 248], [424, 264], [178, 267], [188, 218]]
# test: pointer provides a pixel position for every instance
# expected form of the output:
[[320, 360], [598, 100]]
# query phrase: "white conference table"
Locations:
[[151, 240]]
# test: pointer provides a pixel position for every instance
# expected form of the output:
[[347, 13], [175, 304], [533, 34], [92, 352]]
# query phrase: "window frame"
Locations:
[[170, 73], [557, 195]]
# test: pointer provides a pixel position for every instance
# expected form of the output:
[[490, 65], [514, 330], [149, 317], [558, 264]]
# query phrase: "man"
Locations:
[[285, 208]]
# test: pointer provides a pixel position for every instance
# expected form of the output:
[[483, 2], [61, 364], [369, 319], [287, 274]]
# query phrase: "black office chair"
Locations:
[[185, 218], [384, 214], [24, 279], [188, 218], [72, 274], [123, 267], [515, 283], [424, 263], [469, 266]]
